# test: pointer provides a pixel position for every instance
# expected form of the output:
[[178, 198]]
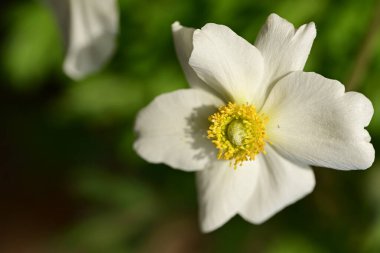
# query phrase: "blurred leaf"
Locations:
[[118, 192], [102, 98], [372, 242], [100, 234], [372, 186], [372, 89], [294, 243], [32, 49], [339, 36], [167, 79], [300, 11]]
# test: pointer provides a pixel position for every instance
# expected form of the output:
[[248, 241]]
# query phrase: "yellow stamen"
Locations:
[[238, 131]]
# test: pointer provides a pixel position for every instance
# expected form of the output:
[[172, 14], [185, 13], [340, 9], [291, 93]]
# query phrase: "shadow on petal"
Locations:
[[196, 132]]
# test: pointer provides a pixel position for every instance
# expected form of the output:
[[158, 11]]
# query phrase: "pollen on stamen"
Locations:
[[238, 132]]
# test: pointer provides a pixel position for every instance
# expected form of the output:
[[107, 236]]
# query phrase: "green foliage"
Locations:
[[294, 243], [101, 98], [32, 49]]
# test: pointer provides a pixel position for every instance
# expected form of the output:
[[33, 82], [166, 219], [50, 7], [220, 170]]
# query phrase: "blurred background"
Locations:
[[70, 181]]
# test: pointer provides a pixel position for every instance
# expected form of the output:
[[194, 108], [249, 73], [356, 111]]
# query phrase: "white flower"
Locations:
[[88, 28], [253, 122]]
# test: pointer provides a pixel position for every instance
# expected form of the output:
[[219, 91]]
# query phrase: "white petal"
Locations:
[[284, 48], [183, 41], [223, 191], [172, 129], [227, 63], [89, 28], [312, 120], [280, 183]]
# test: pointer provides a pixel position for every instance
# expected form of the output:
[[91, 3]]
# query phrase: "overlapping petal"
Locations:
[[223, 191], [183, 42], [172, 129], [313, 121], [284, 48], [89, 28], [227, 63], [279, 183]]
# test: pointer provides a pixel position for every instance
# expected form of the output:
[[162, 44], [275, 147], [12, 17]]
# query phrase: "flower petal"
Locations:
[[280, 183], [312, 120], [183, 41], [284, 48], [223, 190], [172, 129], [89, 28], [227, 63]]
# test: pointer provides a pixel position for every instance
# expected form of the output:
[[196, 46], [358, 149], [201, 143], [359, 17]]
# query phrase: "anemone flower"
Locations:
[[252, 122], [88, 28]]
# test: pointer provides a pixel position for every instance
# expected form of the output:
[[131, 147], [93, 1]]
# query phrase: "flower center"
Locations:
[[238, 132]]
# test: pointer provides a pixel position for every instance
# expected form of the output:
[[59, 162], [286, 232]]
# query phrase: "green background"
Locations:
[[70, 181]]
